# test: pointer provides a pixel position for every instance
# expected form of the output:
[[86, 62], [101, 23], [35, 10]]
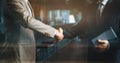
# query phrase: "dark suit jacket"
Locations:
[[91, 27], [111, 18]]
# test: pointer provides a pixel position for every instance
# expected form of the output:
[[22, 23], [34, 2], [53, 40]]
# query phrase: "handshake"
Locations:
[[59, 34]]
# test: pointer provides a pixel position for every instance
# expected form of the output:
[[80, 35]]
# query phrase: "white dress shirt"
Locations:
[[104, 2]]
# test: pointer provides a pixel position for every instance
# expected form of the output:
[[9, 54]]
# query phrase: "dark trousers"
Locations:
[[101, 57]]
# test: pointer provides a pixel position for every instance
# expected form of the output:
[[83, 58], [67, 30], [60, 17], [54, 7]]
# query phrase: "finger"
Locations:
[[98, 46], [101, 41], [99, 49], [59, 38]]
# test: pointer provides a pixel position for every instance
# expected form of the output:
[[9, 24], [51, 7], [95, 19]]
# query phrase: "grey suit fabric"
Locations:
[[19, 45]]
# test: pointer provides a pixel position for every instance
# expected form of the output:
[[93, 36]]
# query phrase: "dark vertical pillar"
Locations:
[[0, 12], [1, 21]]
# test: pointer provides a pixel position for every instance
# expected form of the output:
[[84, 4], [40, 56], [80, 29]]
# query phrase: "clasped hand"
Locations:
[[59, 34], [102, 45]]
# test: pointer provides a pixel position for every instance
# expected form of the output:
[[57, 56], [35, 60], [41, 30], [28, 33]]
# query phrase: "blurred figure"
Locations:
[[97, 18], [19, 45]]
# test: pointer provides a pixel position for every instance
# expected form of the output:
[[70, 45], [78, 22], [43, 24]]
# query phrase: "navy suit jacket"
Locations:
[[91, 26], [111, 18]]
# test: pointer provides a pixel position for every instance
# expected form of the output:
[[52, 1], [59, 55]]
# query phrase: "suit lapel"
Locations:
[[30, 7], [106, 6]]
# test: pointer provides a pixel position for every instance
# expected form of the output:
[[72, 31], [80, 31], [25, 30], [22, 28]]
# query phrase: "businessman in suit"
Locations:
[[95, 21], [19, 26]]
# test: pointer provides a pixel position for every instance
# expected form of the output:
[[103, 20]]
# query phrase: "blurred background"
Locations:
[[58, 12]]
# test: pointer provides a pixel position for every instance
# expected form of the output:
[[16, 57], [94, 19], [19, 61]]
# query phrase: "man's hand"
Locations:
[[59, 34], [102, 45]]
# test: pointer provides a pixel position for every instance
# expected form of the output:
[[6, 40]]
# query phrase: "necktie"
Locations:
[[99, 12], [100, 8]]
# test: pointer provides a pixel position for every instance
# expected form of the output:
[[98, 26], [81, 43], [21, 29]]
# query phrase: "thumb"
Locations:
[[101, 41], [60, 30]]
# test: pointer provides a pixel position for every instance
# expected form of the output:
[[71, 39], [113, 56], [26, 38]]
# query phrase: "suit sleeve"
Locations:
[[17, 11], [79, 29], [115, 44]]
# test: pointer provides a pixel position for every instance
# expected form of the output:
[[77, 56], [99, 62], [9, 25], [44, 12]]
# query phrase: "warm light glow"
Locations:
[[71, 19]]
